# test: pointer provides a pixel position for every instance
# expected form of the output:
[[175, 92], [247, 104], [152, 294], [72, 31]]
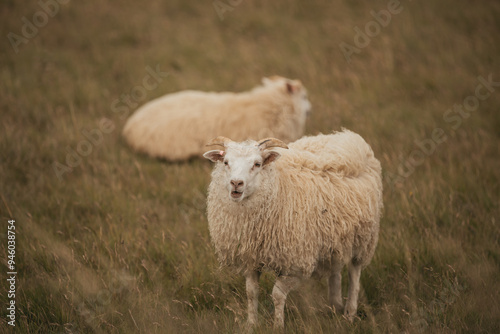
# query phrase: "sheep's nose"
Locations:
[[237, 183]]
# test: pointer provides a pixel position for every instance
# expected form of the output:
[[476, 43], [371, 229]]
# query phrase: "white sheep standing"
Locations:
[[177, 126], [314, 209]]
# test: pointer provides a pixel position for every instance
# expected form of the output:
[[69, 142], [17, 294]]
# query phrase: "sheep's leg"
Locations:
[[283, 285], [335, 287], [252, 287], [352, 297]]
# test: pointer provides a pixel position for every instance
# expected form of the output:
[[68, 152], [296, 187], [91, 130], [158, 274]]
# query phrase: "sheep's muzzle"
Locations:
[[235, 194]]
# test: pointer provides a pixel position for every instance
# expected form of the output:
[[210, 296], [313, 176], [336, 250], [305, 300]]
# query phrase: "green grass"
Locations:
[[120, 244]]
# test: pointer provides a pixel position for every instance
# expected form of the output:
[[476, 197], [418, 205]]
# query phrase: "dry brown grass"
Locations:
[[120, 244]]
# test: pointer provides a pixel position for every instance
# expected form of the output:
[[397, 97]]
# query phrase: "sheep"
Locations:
[[277, 108], [312, 206]]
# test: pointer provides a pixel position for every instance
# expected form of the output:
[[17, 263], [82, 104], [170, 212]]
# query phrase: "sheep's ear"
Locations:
[[214, 155], [293, 87], [270, 156]]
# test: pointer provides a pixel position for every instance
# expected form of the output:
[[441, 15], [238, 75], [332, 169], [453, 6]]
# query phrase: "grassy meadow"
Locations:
[[110, 241]]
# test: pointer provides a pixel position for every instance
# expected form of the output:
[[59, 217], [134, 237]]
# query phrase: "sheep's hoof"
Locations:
[[279, 328], [250, 327], [251, 321], [349, 314], [337, 308], [352, 314]]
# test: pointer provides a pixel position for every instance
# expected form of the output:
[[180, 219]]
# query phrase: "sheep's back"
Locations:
[[177, 126], [345, 153]]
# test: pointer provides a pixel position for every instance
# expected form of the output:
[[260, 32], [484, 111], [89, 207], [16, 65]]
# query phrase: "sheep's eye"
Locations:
[[226, 163], [257, 164]]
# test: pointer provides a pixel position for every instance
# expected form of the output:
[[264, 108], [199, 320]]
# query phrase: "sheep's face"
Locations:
[[294, 88], [303, 102], [243, 164]]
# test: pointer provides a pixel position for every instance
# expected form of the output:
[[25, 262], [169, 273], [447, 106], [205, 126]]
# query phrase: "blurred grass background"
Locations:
[[120, 244]]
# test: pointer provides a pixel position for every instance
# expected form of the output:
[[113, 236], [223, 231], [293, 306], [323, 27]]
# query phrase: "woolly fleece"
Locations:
[[177, 126], [321, 201]]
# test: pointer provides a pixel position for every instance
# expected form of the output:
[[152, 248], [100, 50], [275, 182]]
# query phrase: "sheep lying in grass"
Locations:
[[177, 126], [312, 208]]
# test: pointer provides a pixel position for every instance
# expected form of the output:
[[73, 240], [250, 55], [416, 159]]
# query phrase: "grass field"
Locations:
[[109, 241]]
